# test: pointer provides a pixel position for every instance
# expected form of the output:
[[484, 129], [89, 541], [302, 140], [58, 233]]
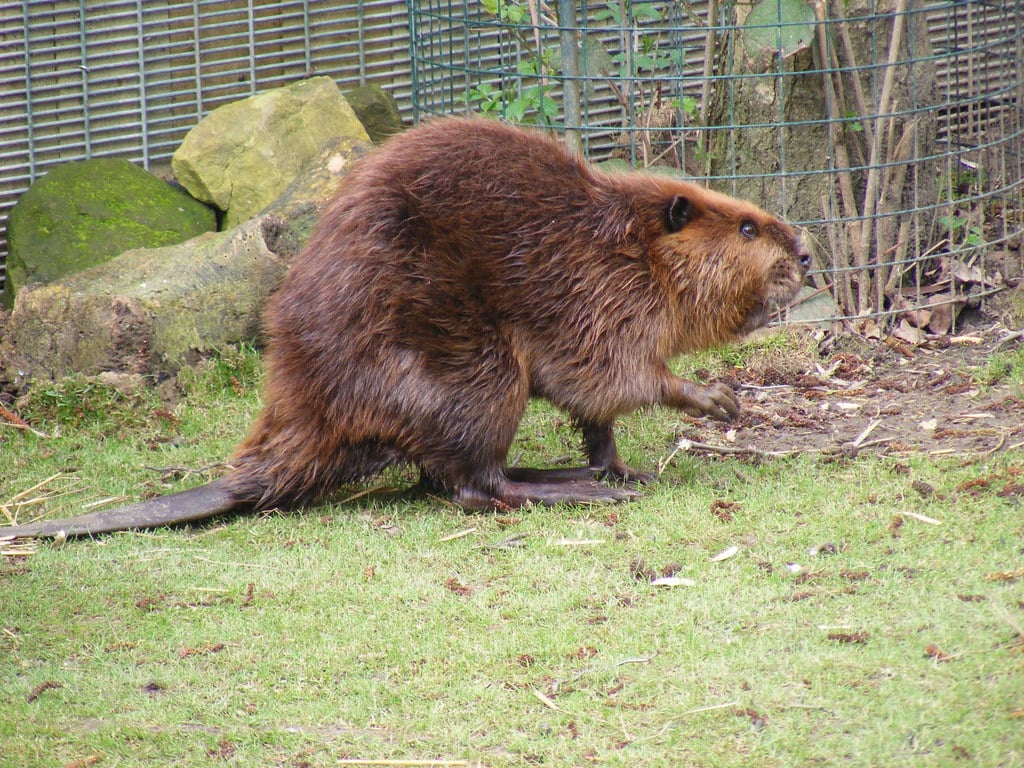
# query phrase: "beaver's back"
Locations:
[[467, 264]]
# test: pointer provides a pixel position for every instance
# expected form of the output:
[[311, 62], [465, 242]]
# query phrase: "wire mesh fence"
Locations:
[[891, 130], [129, 78]]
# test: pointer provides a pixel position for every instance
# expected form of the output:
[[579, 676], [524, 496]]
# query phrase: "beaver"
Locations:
[[464, 267]]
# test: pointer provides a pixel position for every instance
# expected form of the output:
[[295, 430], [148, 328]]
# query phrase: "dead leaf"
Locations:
[[39, 689], [673, 581], [638, 570], [923, 518], [908, 333], [869, 329], [723, 509], [916, 317], [941, 320], [545, 700], [1011, 489], [923, 488], [859, 637], [202, 650], [965, 274], [456, 586], [933, 652], [758, 720], [225, 750], [725, 554]]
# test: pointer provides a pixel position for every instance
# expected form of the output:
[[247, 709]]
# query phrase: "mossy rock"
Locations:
[[244, 154], [377, 110], [84, 213], [151, 311]]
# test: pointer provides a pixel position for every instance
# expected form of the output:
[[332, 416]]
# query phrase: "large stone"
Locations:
[[146, 310], [296, 211], [80, 214], [241, 156], [377, 110], [152, 311]]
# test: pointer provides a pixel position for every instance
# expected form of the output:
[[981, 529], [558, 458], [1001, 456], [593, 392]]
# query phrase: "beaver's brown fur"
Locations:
[[464, 267], [469, 265]]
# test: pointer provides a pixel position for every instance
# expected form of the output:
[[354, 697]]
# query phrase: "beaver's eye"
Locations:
[[748, 229]]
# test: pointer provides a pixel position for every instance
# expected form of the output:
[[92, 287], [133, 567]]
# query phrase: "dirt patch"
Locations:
[[877, 396]]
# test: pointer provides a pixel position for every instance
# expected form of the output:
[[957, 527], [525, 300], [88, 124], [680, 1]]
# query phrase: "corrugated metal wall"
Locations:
[[129, 78]]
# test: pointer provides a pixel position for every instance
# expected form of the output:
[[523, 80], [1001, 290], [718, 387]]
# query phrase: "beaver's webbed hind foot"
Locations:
[[561, 486]]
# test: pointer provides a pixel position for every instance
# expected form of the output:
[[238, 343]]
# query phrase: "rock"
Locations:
[[145, 310], [377, 110], [83, 213], [812, 306], [242, 155], [293, 215], [152, 311]]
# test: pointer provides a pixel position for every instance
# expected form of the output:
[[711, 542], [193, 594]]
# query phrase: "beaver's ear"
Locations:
[[678, 213]]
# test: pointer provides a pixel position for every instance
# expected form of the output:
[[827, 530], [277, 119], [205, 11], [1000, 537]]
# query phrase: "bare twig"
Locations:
[[547, 701], [871, 191], [19, 496], [458, 534], [11, 419], [687, 444], [867, 431]]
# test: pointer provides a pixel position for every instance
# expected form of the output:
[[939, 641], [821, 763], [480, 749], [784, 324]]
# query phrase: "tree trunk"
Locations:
[[834, 133]]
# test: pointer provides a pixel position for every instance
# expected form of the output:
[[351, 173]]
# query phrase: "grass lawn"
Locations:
[[863, 612]]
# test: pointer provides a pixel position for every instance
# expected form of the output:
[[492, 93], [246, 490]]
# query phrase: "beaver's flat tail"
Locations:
[[174, 509]]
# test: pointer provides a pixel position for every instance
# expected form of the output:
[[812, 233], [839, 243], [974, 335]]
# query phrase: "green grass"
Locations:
[[1003, 367], [362, 630]]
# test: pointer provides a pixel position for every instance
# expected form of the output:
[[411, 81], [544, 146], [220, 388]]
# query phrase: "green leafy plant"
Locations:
[[961, 233], [634, 69], [508, 13]]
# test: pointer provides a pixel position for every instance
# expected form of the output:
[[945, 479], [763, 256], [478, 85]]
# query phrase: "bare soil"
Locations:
[[847, 395]]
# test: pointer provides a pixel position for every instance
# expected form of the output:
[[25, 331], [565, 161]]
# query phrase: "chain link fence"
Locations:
[[891, 130]]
